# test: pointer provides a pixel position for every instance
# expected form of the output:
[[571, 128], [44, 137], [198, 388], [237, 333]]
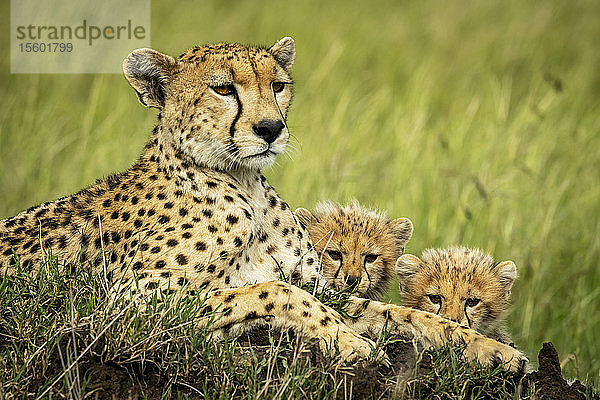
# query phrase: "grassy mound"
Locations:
[[60, 336]]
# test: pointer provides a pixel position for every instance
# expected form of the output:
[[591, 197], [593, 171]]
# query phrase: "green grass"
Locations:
[[478, 120], [59, 333], [61, 337]]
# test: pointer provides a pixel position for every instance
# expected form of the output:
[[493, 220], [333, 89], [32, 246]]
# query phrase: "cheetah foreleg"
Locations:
[[284, 306], [372, 317]]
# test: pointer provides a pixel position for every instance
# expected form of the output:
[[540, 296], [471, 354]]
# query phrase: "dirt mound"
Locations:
[[412, 374], [548, 383]]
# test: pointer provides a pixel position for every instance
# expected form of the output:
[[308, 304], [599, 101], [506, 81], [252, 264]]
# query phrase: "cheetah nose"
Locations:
[[352, 281], [268, 129]]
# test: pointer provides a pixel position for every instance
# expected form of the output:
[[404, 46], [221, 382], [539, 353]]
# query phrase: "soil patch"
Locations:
[[407, 366], [548, 383]]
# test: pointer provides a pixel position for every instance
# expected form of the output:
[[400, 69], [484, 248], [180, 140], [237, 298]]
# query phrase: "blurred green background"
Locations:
[[478, 120]]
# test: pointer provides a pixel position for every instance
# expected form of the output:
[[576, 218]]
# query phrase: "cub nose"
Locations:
[[352, 281], [268, 129]]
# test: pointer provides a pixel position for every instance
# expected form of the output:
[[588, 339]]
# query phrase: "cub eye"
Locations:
[[335, 255], [472, 302], [370, 258], [224, 90], [278, 86], [435, 298]]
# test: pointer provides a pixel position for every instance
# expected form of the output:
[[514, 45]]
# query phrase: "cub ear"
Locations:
[[507, 273], [305, 217], [284, 52], [148, 72], [403, 230], [407, 266]]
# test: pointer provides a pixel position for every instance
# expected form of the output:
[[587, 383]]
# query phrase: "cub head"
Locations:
[[358, 247], [222, 106], [458, 283]]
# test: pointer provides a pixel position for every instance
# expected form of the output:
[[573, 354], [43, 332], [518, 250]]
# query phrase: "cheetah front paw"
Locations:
[[489, 352], [351, 347]]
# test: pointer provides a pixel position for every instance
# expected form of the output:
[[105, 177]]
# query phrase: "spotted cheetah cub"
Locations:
[[358, 246], [460, 284]]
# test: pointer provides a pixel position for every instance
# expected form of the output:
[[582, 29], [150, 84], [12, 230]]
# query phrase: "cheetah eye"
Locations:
[[435, 298], [278, 86], [472, 302], [224, 90], [335, 255], [370, 258]]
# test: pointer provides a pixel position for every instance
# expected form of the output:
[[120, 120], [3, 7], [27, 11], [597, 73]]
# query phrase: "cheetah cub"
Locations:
[[460, 284], [358, 246]]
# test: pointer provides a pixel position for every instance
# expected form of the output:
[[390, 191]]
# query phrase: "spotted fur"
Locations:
[[195, 213], [358, 247], [461, 284]]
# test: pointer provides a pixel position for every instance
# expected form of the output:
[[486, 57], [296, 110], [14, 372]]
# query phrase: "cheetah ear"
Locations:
[[284, 52], [148, 73], [305, 217], [407, 266], [402, 229], [507, 273]]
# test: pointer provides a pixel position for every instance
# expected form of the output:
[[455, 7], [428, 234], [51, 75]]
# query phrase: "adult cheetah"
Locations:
[[195, 213]]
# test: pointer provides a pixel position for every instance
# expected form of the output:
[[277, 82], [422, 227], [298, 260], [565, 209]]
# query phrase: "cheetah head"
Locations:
[[222, 106], [358, 247], [458, 283]]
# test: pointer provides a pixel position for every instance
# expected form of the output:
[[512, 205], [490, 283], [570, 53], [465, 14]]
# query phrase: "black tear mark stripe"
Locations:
[[239, 108], [237, 115]]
